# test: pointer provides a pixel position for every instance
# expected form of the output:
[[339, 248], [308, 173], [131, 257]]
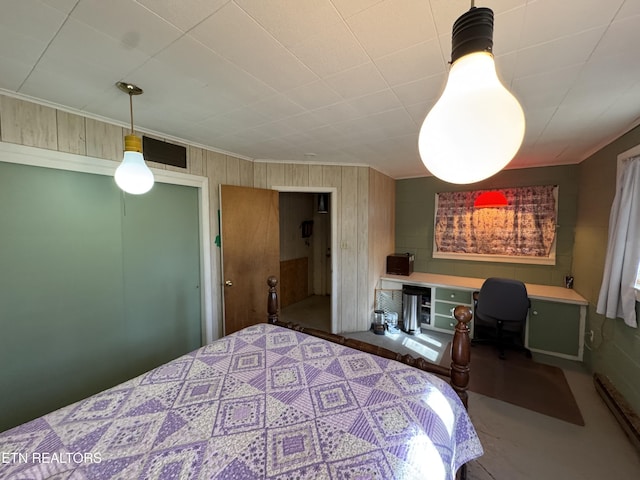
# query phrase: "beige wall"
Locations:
[[351, 207], [357, 203], [382, 219]]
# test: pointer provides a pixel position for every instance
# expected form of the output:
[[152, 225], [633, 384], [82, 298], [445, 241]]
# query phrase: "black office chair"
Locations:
[[500, 315]]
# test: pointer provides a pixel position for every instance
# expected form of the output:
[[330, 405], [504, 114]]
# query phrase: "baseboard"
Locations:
[[626, 417]]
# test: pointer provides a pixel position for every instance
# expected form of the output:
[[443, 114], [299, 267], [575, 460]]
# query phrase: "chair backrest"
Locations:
[[503, 299]]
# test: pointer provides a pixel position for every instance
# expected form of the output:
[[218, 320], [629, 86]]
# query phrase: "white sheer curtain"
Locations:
[[617, 293]]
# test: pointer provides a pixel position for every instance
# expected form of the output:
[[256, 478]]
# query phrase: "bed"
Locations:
[[270, 401]]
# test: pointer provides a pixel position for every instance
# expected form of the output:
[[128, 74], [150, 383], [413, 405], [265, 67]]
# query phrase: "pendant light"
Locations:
[[477, 126], [133, 176], [323, 203]]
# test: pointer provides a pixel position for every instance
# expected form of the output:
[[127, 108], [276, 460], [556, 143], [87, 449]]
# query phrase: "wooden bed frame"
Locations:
[[458, 373]]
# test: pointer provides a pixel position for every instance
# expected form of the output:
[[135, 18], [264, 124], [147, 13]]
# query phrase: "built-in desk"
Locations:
[[557, 319]]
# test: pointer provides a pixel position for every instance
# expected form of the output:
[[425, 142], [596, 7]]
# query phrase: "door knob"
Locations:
[[229, 283]]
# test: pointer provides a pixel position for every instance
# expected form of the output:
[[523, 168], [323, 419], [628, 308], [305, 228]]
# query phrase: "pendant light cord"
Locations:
[[131, 110]]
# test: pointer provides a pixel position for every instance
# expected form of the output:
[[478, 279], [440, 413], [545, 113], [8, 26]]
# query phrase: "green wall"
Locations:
[[615, 351], [415, 203], [586, 192], [95, 286]]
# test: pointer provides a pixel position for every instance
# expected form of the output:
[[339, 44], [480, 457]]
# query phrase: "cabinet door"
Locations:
[[554, 327]]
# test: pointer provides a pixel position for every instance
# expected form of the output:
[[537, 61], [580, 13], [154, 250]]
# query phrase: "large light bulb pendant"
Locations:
[[133, 176], [477, 126]]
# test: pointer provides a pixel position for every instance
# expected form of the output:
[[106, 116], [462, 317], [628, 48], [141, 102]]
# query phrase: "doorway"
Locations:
[[307, 240]]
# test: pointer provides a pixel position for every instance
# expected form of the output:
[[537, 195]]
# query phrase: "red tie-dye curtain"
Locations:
[[525, 227]]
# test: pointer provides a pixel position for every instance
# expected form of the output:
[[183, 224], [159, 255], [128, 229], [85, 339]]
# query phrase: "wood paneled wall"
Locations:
[[362, 194], [354, 306], [294, 284], [382, 219]]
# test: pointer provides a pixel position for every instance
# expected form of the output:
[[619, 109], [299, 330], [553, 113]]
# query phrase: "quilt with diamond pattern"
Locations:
[[264, 402]]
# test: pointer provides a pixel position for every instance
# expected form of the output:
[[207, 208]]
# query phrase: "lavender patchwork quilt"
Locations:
[[264, 402]]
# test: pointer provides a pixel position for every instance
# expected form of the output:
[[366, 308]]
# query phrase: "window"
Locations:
[[620, 280]]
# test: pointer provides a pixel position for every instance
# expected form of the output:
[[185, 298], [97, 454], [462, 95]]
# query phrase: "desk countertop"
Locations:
[[535, 291]]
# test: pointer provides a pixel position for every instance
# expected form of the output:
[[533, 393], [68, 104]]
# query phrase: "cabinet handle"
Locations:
[[535, 312], [453, 295]]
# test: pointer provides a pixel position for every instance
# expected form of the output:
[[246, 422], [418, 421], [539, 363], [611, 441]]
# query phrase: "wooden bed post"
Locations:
[[461, 353], [460, 360], [272, 300]]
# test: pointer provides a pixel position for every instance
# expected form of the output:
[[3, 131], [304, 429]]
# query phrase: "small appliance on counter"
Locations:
[[379, 324], [416, 305], [400, 263]]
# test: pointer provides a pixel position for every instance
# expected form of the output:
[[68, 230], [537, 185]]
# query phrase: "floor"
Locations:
[[312, 312], [518, 443]]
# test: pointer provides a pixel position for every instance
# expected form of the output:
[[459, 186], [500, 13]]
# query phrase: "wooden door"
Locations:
[[250, 234]]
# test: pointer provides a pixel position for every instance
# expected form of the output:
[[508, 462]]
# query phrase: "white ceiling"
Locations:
[[349, 81]]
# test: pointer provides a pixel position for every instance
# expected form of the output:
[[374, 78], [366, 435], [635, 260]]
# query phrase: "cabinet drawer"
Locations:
[[445, 323], [445, 309], [462, 297]]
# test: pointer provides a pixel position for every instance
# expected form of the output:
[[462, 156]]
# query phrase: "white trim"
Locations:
[[333, 211], [477, 257], [311, 162], [38, 157]]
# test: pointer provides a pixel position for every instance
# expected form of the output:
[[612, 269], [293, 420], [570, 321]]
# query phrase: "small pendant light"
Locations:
[[323, 203], [133, 176]]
